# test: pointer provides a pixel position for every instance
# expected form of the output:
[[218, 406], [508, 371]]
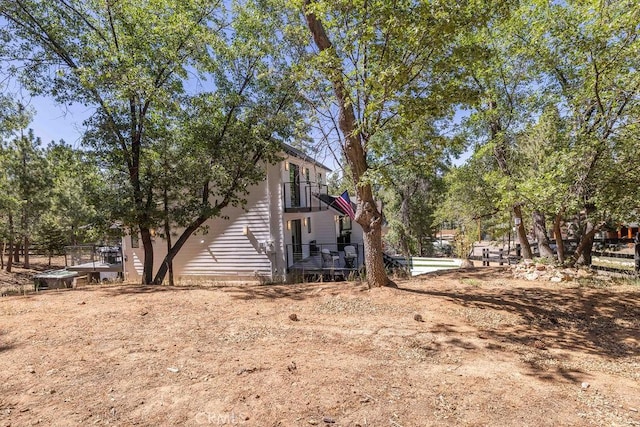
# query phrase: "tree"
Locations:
[[546, 163], [82, 205], [229, 136], [410, 172], [473, 194], [128, 59], [25, 180], [586, 54], [388, 64], [134, 62], [558, 91], [28, 171], [12, 118], [499, 76]]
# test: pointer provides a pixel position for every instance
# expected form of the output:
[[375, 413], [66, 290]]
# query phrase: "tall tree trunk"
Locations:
[[500, 154], [11, 239], [404, 218], [558, 233], [73, 237], [4, 248], [167, 233], [173, 250], [147, 245], [367, 214], [540, 233], [16, 252], [585, 246], [26, 252], [522, 233]]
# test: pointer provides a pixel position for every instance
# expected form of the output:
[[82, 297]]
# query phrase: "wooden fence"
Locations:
[[503, 257]]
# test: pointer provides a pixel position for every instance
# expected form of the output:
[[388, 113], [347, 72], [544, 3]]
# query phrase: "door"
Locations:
[[296, 239]]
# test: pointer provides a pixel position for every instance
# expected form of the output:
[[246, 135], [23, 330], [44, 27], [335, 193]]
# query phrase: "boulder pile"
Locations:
[[529, 270]]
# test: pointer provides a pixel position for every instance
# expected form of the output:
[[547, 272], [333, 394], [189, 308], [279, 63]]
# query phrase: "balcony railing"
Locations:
[[299, 196]]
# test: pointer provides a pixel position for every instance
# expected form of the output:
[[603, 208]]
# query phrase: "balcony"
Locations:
[[300, 196]]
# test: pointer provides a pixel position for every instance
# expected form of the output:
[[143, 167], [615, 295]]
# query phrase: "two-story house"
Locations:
[[288, 222]]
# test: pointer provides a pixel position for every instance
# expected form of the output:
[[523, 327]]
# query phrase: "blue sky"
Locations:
[[53, 121]]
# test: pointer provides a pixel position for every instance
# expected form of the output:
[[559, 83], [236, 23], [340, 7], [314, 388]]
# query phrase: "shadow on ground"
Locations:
[[595, 321]]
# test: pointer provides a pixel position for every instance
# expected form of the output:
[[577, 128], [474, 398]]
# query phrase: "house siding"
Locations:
[[223, 250]]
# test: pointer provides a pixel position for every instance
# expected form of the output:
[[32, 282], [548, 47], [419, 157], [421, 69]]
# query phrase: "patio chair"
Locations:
[[328, 259], [350, 256]]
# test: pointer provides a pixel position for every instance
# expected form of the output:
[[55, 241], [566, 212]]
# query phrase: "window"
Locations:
[[135, 241], [345, 223], [308, 224], [294, 185]]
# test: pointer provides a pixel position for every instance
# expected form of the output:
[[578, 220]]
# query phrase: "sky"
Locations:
[[53, 122]]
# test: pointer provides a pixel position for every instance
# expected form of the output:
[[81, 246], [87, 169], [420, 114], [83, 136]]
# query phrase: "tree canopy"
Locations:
[[192, 99]]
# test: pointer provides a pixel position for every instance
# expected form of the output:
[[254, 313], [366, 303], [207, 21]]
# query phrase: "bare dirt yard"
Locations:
[[463, 348]]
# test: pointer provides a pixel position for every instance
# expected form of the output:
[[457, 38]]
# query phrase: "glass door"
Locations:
[[296, 239]]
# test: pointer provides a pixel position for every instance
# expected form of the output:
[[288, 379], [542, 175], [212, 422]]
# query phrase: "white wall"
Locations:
[[224, 251]]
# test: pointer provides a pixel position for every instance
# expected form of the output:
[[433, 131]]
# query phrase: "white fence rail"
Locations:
[[421, 265]]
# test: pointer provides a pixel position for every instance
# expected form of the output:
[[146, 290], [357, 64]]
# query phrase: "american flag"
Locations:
[[345, 204]]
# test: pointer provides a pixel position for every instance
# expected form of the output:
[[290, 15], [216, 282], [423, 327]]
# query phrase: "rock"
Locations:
[[584, 273], [293, 317], [555, 279], [539, 345], [467, 263], [585, 385], [418, 318], [541, 267], [174, 370], [532, 276], [328, 420], [312, 422]]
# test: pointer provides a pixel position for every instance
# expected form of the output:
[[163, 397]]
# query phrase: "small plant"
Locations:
[[628, 281], [471, 282], [353, 276]]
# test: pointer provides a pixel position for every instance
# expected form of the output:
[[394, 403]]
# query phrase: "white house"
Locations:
[[288, 220]]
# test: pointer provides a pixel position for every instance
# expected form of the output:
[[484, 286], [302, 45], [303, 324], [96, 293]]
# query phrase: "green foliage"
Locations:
[[192, 97], [558, 96], [81, 199], [26, 183], [51, 237]]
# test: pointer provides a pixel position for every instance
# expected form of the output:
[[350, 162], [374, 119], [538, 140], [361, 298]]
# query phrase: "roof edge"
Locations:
[[303, 156]]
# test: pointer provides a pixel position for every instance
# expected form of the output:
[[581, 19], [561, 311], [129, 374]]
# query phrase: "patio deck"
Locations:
[[313, 266], [95, 266]]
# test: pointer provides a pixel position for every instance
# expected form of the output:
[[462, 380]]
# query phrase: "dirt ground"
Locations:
[[463, 348]]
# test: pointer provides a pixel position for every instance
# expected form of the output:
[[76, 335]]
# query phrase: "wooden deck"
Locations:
[[312, 266], [96, 266]]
